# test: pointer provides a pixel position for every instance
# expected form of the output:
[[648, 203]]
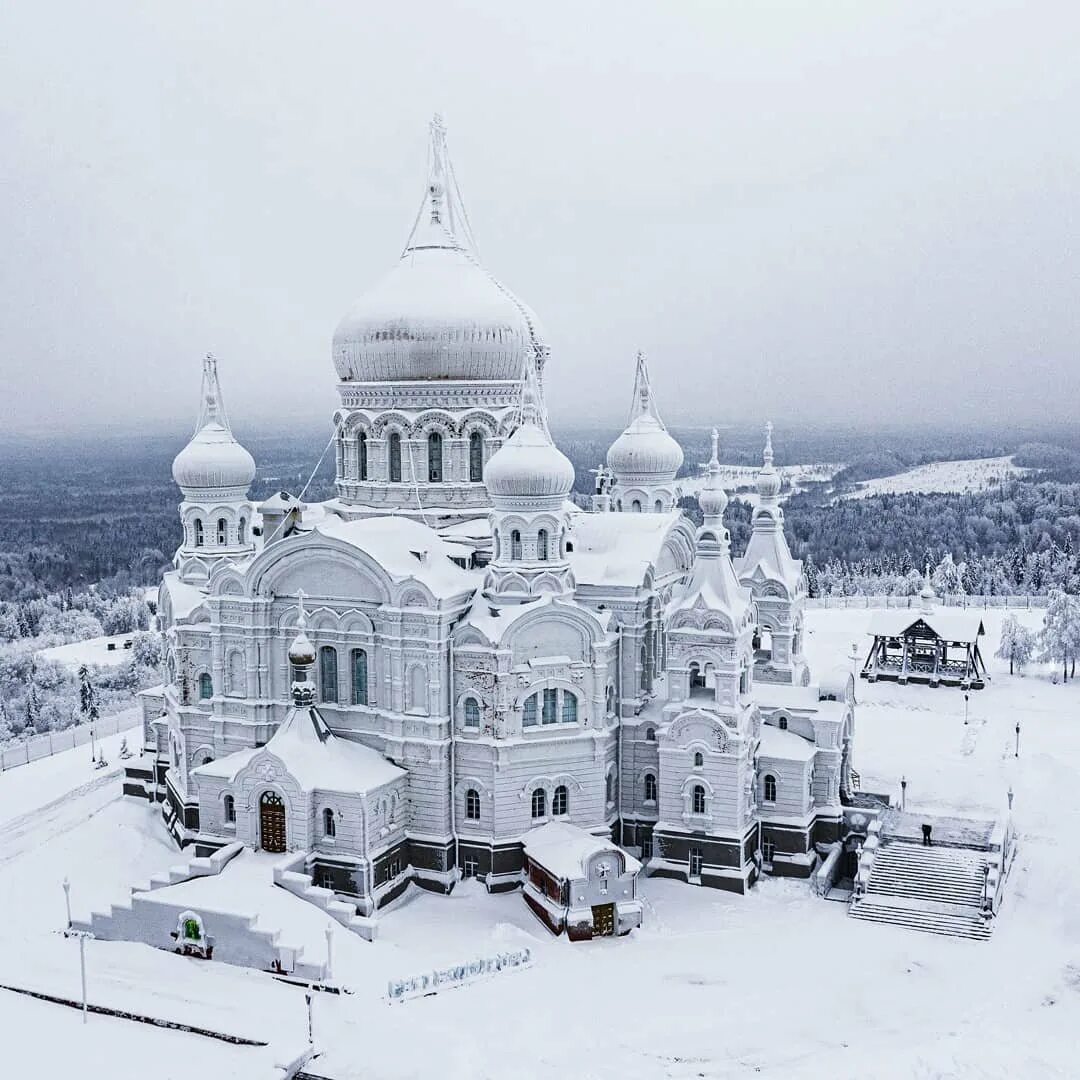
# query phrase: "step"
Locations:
[[973, 927]]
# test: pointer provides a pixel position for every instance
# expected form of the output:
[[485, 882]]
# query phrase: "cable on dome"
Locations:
[[303, 491]]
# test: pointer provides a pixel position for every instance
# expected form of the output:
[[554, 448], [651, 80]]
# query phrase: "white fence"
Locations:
[[1024, 602], [54, 742]]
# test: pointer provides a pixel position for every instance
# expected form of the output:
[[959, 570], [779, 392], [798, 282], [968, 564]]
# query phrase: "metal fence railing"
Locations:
[[54, 742], [1019, 602]]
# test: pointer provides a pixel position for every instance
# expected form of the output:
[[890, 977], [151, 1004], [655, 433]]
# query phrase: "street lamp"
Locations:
[[1017, 754], [93, 750], [966, 696], [903, 792], [1010, 794], [67, 899], [986, 881], [329, 951]]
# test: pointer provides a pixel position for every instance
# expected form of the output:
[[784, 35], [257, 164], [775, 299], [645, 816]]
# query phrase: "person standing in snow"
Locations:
[[926, 829]]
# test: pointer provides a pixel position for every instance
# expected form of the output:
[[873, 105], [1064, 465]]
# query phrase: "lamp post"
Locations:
[[1017, 754], [986, 881], [329, 951], [67, 899], [82, 935], [966, 696], [93, 749], [1010, 795], [903, 792]]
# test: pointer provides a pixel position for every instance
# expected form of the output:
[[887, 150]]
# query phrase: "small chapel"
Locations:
[[450, 669]]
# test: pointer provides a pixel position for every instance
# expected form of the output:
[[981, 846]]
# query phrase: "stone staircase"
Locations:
[[938, 890], [289, 874]]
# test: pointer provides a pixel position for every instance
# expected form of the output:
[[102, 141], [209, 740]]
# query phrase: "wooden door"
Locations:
[[271, 822], [603, 920]]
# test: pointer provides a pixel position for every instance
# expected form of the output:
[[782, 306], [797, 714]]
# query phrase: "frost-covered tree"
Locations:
[[946, 578], [1059, 639], [1017, 643], [146, 649], [88, 696], [32, 707]]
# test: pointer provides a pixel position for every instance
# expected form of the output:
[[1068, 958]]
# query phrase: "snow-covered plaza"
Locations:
[[774, 983]]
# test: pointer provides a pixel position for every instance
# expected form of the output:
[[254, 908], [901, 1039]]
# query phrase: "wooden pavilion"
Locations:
[[927, 646]]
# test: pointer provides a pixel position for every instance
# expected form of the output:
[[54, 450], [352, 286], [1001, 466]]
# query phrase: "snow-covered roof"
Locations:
[[493, 620], [616, 549], [563, 849], [183, 596], [956, 625], [405, 549], [786, 696], [784, 745], [314, 756]]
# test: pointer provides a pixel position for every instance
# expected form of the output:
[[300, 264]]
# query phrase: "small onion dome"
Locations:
[[301, 651], [768, 483], [713, 499], [213, 460], [529, 465], [645, 451]]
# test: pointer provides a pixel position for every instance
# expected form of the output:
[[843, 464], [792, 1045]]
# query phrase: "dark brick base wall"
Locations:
[[543, 914]]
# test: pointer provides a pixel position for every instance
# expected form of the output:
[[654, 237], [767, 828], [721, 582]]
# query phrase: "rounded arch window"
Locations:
[[206, 686], [699, 760], [472, 713], [539, 803], [361, 454], [635, 506], [698, 798], [476, 457], [650, 787], [515, 545], [650, 734], [328, 687], [435, 457], [329, 823], [770, 788], [472, 805], [560, 801], [230, 810], [782, 723], [659, 507], [395, 458], [197, 532], [222, 531], [542, 542]]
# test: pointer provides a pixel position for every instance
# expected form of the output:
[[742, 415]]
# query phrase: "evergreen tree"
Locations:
[[88, 696], [32, 709]]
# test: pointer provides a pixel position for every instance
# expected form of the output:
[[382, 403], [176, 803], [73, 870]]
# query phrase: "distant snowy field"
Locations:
[[975, 474], [740, 480], [90, 651], [775, 984]]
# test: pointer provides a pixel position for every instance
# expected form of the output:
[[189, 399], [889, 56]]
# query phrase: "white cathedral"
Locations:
[[451, 670]]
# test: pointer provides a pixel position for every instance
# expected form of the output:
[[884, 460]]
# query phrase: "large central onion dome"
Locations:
[[529, 469], [213, 460], [438, 314]]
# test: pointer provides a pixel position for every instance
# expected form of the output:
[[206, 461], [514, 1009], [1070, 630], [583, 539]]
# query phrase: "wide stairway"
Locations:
[[935, 889]]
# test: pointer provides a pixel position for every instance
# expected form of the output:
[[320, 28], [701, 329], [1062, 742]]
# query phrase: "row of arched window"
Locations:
[[636, 506], [549, 706], [436, 466], [546, 549], [328, 675], [198, 532]]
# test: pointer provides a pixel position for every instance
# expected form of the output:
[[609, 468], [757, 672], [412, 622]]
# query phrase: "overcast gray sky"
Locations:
[[805, 210]]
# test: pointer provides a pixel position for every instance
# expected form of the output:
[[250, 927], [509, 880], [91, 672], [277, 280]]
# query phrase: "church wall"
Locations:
[[792, 791]]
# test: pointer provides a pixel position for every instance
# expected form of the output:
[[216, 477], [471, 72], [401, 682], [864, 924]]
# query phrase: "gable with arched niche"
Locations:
[[266, 772], [555, 629], [320, 565]]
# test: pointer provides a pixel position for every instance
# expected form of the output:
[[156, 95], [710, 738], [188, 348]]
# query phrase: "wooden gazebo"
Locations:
[[932, 647]]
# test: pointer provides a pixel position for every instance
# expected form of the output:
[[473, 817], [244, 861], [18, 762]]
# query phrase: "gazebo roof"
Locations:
[[949, 625]]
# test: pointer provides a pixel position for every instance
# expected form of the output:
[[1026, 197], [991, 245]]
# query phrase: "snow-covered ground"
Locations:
[[90, 651], [975, 474], [773, 984]]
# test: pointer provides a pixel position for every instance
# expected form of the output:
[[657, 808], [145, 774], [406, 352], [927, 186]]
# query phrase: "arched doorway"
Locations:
[[271, 822]]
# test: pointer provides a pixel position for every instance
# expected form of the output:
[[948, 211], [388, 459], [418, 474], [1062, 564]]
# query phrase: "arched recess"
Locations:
[[321, 565], [416, 690]]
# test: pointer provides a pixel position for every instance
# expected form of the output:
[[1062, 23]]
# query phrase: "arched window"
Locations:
[[659, 508], [650, 787], [329, 825], [434, 457], [539, 803], [699, 760], [476, 457], [472, 805], [650, 734], [636, 506], [237, 682], [698, 799], [472, 713], [206, 686], [515, 545], [643, 660], [770, 788], [359, 677], [417, 700], [230, 810], [698, 686], [528, 714], [744, 681], [361, 454], [569, 708], [395, 458], [328, 687], [782, 723], [241, 531], [610, 700], [609, 787], [542, 545], [198, 526], [560, 801], [222, 532]]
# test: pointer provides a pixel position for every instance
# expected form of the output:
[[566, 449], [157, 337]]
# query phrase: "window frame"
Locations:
[[393, 458], [769, 783], [471, 709], [359, 662], [538, 804], [472, 805], [325, 682], [560, 801]]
